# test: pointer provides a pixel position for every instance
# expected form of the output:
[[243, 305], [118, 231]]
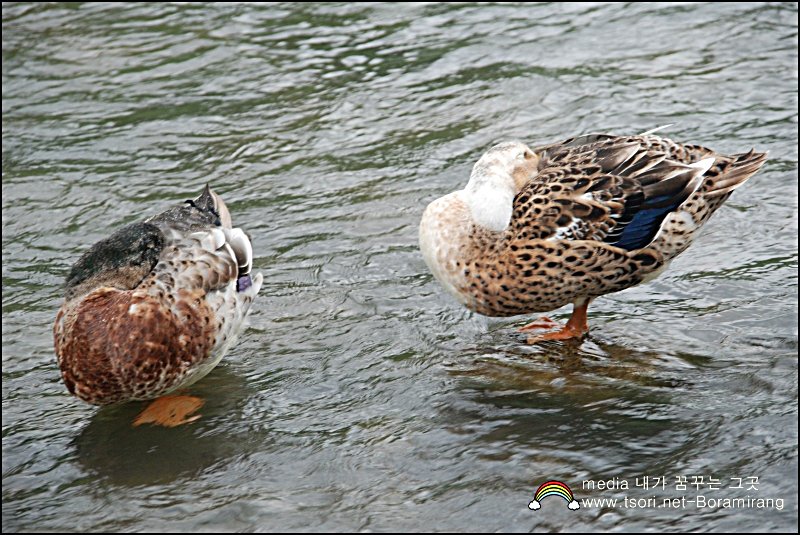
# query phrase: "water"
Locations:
[[362, 397]]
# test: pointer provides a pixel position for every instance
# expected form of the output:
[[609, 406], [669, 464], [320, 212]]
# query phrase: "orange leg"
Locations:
[[170, 411], [542, 323], [576, 327]]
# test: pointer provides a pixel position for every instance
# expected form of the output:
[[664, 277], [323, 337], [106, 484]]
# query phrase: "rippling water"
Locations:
[[362, 397]]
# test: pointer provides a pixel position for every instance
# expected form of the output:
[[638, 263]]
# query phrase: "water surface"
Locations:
[[362, 397]]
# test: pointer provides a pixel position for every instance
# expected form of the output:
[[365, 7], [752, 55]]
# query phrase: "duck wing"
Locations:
[[606, 188]]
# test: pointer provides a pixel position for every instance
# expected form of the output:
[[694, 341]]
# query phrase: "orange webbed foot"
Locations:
[[576, 327], [170, 411], [542, 323], [567, 332]]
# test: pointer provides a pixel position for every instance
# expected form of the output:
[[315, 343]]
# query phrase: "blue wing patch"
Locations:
[[645, 224]]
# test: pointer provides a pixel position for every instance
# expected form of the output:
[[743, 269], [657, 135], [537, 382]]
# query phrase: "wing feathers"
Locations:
[[619, 189]]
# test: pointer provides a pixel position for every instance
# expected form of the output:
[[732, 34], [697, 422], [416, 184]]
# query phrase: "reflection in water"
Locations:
[[590, 411], [111, 448], [589, 397], [574, 365]]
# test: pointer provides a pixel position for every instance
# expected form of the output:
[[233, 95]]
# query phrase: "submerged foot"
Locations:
[[567, 332], [170, 411], [542, 323], [576, 328]]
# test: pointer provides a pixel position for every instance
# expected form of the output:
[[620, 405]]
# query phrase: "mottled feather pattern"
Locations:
[[571, 202], [154, 307], [200, 275], [599, 214], [118, 345], [522, 275]]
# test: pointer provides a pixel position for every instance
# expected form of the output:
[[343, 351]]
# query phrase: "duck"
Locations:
[[536, 229], [154, 307]]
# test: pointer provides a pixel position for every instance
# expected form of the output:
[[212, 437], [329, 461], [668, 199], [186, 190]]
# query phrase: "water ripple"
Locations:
[[362, 397]]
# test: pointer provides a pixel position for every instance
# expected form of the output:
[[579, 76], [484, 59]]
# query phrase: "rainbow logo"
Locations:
[[553, 488]]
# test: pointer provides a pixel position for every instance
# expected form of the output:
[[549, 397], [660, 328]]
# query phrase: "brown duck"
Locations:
[[536, 229], [154, 307]]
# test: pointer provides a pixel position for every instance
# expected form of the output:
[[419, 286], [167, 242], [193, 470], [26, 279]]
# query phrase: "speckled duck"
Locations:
[[154, 307], [536, 229]]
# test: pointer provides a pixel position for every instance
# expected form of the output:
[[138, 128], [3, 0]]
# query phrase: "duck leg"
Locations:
[[170, 411], [576, 327]]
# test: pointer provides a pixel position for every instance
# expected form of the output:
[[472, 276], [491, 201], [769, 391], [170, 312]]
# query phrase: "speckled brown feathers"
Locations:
[[155, 306], [598, 214], [119, 345]]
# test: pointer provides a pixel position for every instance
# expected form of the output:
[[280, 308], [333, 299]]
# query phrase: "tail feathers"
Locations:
[[735, 173]]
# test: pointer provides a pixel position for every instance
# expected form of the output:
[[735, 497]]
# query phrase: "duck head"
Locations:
[[496, 178]]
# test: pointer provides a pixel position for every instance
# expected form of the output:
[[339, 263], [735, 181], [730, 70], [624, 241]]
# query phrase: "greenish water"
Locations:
[[362, 397]]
